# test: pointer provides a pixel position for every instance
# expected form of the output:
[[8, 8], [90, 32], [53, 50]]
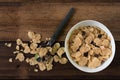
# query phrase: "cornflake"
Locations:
[[49, 66], [56, 58], [20, 57], [60, 51], [55, 47], [76, 44], [31, 35], [32, 61], [43, 52], [105, 42], [26, 49], [94, 63], [33, 46], [35, 37], [63, 60], [42, 66], [19, 41]]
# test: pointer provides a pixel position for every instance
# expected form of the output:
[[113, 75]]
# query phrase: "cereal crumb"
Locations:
[[27, 60], [15, 52], [35, 70], [6, 43], [47, 39], [9, 45], [10, 60]]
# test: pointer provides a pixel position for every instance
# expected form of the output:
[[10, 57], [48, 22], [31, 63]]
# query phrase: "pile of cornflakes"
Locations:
[[43, 56], [89, 46]]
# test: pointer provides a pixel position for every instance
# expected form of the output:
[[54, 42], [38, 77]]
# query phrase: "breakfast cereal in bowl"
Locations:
[[90, 46]]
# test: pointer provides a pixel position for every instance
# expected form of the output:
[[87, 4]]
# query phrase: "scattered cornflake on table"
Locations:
[[56, 58], [63, 60], [60, 51], [20, 57], [43, 57]]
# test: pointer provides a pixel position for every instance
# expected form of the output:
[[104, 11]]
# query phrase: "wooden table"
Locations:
[[17, 17]]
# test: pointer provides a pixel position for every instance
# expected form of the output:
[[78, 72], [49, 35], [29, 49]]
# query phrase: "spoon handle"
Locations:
[[60, 27]]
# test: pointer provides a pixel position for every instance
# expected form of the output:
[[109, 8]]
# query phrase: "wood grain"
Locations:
[[61, 1], [16, 21], [11, 1], [22, 70], [43, 16]]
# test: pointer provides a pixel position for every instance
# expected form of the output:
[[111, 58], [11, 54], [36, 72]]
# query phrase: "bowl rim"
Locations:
[[104, 28]]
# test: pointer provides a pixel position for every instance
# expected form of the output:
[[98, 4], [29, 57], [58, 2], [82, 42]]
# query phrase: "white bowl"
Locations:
[[103, 27]]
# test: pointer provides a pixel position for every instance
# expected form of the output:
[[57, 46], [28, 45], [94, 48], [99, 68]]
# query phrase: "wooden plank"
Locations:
[[21, 70], [73, 1], [16, 21]]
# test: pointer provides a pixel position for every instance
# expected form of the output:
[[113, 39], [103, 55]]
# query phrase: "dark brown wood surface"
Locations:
[[17, 17]]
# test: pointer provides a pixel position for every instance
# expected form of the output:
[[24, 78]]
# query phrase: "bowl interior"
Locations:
[[96, 24]]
